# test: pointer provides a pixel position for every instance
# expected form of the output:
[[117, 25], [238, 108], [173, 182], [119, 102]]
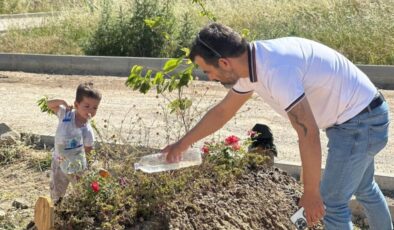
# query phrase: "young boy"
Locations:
[[74, 137]]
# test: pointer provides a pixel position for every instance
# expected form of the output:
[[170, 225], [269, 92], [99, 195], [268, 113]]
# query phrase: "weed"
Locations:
[[12, 153], [41, 162]]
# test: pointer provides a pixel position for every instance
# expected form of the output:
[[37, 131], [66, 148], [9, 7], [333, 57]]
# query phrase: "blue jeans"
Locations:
[[350, 169]]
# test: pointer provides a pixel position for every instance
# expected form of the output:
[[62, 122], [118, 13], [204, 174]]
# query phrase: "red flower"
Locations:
[[236, 146], [205, 149], [95, 186], [230, 140]]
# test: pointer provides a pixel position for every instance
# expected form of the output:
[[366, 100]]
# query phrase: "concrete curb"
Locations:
[[381, 76], [80, 65]]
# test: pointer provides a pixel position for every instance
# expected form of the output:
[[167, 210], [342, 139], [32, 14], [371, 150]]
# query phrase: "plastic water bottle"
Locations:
[[157, 162]]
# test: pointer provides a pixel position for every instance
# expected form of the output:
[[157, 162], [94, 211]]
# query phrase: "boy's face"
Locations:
[[87, 108]]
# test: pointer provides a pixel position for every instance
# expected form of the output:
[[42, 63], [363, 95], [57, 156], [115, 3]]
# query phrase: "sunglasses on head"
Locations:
[[217, 54]]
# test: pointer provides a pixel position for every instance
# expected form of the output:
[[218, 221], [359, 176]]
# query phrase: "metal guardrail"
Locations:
[[381, 75]]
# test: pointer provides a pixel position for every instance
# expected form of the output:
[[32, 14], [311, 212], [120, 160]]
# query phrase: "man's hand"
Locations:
[[174, 152], [314, 208]]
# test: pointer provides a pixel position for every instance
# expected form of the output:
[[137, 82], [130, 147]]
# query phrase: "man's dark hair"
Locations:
[[216, 41], [86, 90]]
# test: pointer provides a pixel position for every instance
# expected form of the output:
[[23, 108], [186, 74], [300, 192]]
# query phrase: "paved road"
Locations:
[[23, 21], [138, 118]]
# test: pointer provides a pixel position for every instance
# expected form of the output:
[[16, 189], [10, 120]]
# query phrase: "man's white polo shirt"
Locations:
[[283, 71]]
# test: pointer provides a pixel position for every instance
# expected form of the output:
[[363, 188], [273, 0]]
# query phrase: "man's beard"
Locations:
[[232, 79]]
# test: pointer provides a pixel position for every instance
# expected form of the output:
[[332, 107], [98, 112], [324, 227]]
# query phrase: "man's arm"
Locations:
[[303, 121], [55, 103], [213, 120]]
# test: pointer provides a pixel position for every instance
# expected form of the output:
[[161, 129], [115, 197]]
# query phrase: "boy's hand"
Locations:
[[69, 107]]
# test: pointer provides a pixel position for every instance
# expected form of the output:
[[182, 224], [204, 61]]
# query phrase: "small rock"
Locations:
[[4, 128], [8, 136], [20, 204]]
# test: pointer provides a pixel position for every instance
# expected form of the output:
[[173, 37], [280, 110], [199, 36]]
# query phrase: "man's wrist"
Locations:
[[311, 189], [183, 143]]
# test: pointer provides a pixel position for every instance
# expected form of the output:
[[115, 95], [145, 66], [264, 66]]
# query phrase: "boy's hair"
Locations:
[[216, 41], [86, 90]]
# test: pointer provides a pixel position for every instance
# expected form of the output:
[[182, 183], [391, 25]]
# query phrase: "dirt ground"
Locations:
[[121, 107]]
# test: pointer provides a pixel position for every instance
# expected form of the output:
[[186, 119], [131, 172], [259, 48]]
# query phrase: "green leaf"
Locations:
[[133, 81], [172, 64], [185, 104], [166, 35], [137, 84], [43, 105], [245, 32], [179, 105], [159, 78], [148, 74], [184, 81], [145, 86], [186, 51], [152, 22], [137, 69]]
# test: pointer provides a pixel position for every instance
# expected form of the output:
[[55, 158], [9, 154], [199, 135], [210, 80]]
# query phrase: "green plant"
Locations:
[[43, 105], [176, 80], [97, 202]]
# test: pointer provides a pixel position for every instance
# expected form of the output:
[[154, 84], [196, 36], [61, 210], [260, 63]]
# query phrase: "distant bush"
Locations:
[[143, 31]]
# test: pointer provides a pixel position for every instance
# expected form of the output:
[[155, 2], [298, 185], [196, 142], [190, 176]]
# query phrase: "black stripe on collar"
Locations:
[[252, 62]]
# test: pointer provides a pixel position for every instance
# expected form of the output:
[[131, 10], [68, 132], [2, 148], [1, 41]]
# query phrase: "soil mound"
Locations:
[[263, 199]]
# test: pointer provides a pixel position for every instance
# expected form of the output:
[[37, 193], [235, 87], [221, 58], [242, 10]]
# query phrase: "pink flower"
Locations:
[[230, 140], [205, 149], [95, 186], [123, 181], [236, 146], [251, 133]]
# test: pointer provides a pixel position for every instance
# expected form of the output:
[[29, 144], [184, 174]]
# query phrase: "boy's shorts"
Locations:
[[59, 181]]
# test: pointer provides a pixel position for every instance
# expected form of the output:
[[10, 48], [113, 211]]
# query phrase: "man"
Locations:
[[314, 87]]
